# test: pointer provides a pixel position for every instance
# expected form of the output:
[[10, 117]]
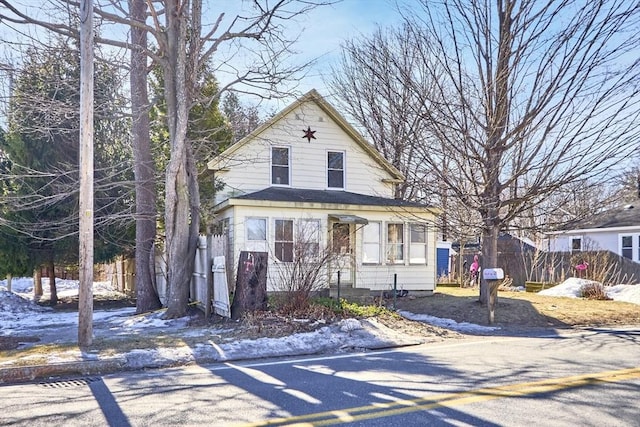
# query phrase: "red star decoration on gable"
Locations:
[[309, 134]]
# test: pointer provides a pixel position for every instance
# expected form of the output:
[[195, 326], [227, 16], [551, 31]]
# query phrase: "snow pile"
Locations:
[[447, 323], [14, 306], [572, 288], [626, 293]]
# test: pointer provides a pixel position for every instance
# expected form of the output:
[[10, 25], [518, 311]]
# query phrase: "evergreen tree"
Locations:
[[42, 145]]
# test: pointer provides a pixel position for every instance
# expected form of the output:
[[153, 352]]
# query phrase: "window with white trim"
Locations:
[[418, 243], [576, 244], [371, 242], [626, 246], [335, 169], [395, 243], [280, 162], [284, 240], [308, 238], [256, 234]]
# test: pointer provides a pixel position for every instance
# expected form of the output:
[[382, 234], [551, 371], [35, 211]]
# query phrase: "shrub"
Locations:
[[593, 291], [351, 309]]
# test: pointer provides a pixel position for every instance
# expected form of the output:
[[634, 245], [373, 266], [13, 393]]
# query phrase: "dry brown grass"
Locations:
[[523, 309], [516, 310]]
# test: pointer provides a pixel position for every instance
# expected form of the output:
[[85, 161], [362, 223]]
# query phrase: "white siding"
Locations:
[[609, 240], [249, 166], [375, 277]]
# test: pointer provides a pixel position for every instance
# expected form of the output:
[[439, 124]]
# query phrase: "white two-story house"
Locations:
[[308, 174]]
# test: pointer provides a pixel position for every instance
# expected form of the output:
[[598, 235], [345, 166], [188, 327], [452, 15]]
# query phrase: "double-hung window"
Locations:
[[395, 243], [335, 169], [280, 166], [418, 244], [284, 240], [371, 243], [308, 238], [627, 246], [630, 246], [256, 234]]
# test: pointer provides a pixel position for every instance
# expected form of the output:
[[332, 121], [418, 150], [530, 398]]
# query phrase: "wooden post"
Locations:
[[492, 278], [493, 286], [85, 291], [208, 267]]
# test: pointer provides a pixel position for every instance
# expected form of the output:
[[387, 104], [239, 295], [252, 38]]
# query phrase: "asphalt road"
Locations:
[[590, 378]]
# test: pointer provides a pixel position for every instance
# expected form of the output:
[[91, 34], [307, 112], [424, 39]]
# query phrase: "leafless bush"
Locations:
[[602, 266], [593, 290], [302, 269]]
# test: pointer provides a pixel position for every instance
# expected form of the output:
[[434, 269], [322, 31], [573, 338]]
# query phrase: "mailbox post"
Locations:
[[494, 277]]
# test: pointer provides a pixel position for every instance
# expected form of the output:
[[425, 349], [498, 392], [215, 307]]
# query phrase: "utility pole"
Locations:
[[85, 292]]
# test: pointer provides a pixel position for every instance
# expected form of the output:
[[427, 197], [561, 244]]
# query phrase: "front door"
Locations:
[[342, 245]]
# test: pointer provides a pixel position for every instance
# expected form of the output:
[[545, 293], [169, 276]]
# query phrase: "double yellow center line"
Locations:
[[386, 409]]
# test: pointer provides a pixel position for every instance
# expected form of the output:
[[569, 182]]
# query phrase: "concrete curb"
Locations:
[[22, 374], [354, 336]]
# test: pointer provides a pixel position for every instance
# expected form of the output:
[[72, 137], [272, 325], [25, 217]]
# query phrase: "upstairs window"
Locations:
[[335, 169], [280, 170]]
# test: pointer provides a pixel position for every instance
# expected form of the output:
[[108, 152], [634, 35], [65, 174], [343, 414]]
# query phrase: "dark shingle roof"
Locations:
[[285, 194], [627, 216]]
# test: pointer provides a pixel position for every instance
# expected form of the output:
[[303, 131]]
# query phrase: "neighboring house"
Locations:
[[616, 230], [308, 175]]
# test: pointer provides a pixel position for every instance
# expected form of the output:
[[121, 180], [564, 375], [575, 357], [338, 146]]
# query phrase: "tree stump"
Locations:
[[251, 284]]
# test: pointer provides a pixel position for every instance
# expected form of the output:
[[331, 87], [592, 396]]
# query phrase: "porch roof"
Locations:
[[349, 219]]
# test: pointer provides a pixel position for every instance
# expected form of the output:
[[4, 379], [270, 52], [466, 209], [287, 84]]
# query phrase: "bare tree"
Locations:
[[524, 98], [369, 87], [146, 293], [251, 48]]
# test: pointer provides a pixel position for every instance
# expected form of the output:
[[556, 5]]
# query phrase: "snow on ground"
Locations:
[[20, 315], [572, 286], [448, 323]]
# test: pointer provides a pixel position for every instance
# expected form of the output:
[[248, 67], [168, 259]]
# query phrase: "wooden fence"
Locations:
[[555, 267], [121, 273]]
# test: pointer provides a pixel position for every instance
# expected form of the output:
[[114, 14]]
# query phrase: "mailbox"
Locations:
[[492, 274]]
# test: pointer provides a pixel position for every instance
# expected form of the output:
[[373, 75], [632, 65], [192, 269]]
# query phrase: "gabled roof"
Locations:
[[313, 96], [292, 195], [627, 216]]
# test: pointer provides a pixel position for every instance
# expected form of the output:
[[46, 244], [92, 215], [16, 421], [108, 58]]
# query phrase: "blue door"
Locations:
[[442, 261]]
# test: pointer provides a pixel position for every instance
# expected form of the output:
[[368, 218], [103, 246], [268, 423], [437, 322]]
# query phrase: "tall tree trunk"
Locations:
[[497, 116], [146, 295], [181, 197]]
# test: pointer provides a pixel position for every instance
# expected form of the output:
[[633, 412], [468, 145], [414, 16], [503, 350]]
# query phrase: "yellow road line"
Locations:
[[387, 409]]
